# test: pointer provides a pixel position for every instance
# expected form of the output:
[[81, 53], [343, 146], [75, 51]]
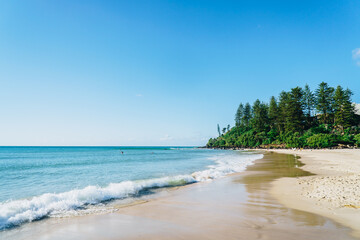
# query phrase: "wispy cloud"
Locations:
[[356, 55], [138, 95], [167, 137]]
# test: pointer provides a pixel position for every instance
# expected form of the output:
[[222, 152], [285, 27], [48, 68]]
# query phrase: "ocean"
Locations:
[[41, 182]]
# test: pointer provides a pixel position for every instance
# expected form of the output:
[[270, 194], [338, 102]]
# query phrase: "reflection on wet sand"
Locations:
[[258, 184]]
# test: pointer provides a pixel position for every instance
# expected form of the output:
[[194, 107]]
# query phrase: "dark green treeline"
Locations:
[[298, 118]]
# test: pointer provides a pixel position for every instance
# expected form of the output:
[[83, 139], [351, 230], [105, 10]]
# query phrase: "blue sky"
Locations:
[[161, 72]]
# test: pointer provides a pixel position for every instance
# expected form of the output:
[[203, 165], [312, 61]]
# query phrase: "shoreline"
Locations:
[[333, 192], [237, 206]]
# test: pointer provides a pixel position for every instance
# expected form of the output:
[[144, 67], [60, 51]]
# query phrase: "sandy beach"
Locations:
[[180, 120], [239, 206], [334, 190]]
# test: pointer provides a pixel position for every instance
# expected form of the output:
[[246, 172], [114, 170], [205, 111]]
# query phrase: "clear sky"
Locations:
[[161, 72]]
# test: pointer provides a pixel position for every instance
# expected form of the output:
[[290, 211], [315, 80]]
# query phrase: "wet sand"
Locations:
[[234, 207]]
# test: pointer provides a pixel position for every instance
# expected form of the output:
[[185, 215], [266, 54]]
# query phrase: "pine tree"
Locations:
[[259, 119], [349, 109], [247, 115], [294, 113], [273, 112], [309, 103], [218, 127], [324, 101], [255, 120], [239, 115], [283, 102], [339, 100]]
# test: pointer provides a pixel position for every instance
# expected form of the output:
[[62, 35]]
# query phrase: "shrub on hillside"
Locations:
[[321, 140]]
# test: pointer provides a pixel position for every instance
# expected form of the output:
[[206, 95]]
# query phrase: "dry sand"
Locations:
[[234, 207], [334, 191]]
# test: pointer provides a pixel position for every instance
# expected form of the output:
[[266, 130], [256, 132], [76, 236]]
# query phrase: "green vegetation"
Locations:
[[357, 139], [299, 118]]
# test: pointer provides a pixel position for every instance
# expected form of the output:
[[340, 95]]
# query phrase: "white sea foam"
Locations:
[[13, 213]]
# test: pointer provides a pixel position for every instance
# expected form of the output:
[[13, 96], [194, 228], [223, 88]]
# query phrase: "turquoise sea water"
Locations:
[[38, 182]]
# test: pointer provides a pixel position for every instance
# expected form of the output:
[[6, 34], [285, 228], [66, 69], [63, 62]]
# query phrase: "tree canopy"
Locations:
[[297, 118]]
